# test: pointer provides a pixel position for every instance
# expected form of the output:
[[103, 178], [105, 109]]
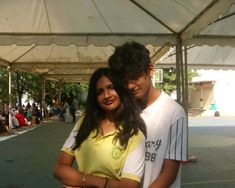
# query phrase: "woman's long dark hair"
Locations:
[[127, 115]]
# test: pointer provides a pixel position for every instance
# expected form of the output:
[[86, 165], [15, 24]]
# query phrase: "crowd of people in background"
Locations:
[[30, 114], [20, 116]]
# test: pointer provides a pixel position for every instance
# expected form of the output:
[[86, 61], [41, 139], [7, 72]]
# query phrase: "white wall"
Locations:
[[224, 89]]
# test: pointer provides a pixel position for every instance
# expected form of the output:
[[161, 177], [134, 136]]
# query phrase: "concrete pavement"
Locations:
[[26, 160], [212, 141]]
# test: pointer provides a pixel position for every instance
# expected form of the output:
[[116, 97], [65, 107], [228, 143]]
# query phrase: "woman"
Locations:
[[107, 142]]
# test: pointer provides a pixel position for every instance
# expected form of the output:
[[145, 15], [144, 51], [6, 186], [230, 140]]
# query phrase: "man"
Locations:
[[166, 122]]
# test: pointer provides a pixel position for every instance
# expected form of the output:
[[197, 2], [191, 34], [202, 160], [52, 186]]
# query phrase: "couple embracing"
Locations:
[[132, 134]]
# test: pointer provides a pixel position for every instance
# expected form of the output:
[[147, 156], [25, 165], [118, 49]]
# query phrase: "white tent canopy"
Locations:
[[65, 63], [206, 57], [68, 39]]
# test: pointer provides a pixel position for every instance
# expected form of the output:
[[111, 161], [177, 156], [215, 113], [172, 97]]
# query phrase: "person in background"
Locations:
[[67, 115], [61, 112], [165, 119], [15, 122], [3, 128], [29, 111], [108, 142], [5, 119], [20, 117], [72, 111]]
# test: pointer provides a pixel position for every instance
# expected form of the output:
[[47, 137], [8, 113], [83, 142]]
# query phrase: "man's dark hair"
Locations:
[[132, 58]]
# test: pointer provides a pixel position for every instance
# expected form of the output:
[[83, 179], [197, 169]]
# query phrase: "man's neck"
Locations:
[[151, 96]]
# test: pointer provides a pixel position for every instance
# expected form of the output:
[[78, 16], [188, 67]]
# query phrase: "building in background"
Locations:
[[215, 91], [215, 87]]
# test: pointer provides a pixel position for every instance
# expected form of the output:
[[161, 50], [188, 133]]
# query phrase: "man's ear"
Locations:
[[151, 69]]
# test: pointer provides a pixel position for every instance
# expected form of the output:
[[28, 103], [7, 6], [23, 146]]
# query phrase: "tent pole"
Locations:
[[186, 80], [43, 98], [185, 92], [10, 97], [182, 81], [178, 68], [60, 90]]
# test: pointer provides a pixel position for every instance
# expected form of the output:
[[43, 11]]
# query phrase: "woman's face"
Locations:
[[107, 97]]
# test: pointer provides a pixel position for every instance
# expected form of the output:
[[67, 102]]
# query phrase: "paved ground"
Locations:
[[212, 141], [26, 160]]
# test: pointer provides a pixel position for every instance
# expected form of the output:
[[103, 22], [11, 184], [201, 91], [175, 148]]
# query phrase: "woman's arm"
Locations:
[[71, 177], [64, 171]]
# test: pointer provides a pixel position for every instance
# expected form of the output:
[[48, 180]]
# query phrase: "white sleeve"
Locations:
[[135, 161], [177, 146], [70, 141]]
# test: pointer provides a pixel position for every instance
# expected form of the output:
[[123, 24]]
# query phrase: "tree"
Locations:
[[68, 91], [3, 85], [22, 83], [71, 90], [28, 84], [169, 80]]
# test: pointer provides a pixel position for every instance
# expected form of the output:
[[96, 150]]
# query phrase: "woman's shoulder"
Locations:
[[137, 141], [138, 137], [79, 122]]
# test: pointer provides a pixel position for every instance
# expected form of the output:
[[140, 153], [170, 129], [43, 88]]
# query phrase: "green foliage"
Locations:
[[169, 80], [28, 84], [3, 85], [22, 83], [68, 91], [74, 90], [191, 74], [34, 87], [51, 91]]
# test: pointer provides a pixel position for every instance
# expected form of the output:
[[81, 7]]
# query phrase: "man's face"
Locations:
[[139, 85]]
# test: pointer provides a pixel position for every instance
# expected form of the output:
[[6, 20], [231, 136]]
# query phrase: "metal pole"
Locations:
[[186, 86], [43, 98], [60, 90], [10, 97], [182, 83], [178, 68], [186, 80]]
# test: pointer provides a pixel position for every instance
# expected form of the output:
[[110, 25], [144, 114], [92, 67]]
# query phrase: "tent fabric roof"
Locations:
[[68, 39], [66, 63], [206, 57]]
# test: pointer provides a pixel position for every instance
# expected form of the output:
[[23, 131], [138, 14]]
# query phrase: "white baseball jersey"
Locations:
[[166, 137]]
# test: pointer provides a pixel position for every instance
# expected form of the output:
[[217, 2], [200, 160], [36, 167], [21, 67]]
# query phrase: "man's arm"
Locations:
[[167, 175], [171, 166]]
